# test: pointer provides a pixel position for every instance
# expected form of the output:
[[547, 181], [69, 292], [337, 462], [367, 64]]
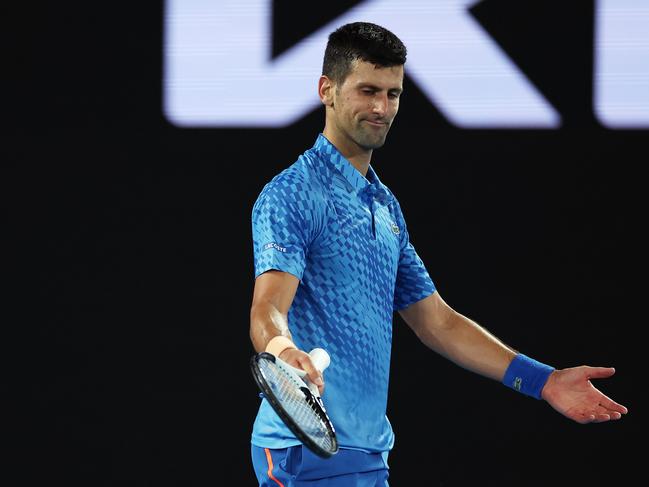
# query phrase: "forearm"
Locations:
[[266, 322], [469, 345]]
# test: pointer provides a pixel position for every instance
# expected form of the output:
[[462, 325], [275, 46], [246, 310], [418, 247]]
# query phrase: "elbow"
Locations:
[[438, 334]]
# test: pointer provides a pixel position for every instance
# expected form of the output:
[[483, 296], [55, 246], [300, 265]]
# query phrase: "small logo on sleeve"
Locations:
[[273, 245]]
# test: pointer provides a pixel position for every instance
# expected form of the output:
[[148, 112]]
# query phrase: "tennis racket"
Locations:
[[296, 400]]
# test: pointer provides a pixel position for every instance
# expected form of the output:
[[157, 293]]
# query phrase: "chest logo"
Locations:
[[395, 228]]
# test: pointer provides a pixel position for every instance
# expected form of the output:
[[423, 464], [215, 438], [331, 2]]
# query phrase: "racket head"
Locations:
[[295, 404]]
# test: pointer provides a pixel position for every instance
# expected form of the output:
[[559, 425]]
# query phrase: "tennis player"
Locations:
[[333, 261]]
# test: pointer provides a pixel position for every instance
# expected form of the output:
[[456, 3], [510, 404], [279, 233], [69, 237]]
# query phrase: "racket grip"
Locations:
[[320, 358]]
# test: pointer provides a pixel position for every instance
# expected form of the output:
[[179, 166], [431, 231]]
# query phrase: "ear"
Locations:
[[326, 91]]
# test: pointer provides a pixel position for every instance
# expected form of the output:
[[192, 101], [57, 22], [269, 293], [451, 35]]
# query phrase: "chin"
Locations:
[[377, 144], [370, 143]]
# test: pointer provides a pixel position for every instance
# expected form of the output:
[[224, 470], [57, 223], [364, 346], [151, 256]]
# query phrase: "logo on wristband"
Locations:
[[518, 383]]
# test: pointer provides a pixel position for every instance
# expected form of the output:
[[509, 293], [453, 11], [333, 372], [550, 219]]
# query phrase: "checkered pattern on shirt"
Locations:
[[344, 236]]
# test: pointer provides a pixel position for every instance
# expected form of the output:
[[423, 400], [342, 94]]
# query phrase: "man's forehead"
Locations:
[[366, 72]]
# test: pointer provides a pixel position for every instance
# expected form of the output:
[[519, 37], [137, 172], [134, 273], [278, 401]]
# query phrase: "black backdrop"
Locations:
[[135, 259]]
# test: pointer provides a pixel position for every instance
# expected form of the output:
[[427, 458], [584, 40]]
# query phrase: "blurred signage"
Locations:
[[219, 72]]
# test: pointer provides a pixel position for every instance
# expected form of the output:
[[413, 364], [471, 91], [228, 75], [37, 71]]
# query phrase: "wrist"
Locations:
[[527, 376], [278, 344]]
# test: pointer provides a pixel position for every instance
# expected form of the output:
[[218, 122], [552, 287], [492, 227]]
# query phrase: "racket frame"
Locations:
[[315, 401]]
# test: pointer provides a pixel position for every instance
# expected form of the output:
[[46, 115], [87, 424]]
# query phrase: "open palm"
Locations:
[[571, 392]]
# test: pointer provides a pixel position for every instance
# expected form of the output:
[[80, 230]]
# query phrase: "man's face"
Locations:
[[366, 102]]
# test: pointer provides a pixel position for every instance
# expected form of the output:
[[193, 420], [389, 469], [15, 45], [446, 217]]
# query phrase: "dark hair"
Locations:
[[361, 41]]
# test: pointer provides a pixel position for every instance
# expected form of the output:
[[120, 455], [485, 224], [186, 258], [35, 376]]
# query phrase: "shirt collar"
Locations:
[[370, 185]]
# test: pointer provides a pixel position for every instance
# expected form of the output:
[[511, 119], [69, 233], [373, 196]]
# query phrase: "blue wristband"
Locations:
[[527, 376]]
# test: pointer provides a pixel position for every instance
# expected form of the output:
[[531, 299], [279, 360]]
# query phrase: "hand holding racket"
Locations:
[[296, 400]]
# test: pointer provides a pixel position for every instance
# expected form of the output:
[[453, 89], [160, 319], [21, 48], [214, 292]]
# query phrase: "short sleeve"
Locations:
[[413, 281], [279, 233]]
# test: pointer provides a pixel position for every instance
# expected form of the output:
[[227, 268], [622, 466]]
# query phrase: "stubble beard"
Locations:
[[369, 139]]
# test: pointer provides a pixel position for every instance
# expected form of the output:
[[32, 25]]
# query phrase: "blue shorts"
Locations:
[[297, 466]]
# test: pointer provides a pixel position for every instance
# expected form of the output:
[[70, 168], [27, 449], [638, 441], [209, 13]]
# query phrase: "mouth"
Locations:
[[376, 123]]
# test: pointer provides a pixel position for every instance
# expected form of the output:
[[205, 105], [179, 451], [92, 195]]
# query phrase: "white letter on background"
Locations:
[[218, 70]]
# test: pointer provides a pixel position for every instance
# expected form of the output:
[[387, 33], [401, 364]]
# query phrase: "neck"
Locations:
[[357, 156]]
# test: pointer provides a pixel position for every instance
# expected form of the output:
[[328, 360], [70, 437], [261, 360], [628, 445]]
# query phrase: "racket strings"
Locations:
[[299, 403]]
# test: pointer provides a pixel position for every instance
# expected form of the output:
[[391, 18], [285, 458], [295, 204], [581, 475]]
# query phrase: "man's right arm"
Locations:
[[272, 298]]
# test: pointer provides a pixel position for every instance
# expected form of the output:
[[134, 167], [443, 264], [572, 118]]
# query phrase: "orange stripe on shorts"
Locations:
[[270, 467]]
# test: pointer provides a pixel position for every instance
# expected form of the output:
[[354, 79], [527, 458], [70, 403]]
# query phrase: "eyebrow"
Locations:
[[377, 88]]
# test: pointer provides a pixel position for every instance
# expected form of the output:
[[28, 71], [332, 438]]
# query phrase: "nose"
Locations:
[[380, 106]]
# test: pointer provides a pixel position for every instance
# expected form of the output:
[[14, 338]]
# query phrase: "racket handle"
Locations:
[[320, 358]]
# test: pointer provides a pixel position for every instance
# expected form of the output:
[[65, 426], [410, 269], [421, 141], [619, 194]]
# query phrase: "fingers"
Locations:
[[314, 375], [599, 372], [585, 418], [604, 413], [598, 414], [600, 417], [302, 360], [612, 406]]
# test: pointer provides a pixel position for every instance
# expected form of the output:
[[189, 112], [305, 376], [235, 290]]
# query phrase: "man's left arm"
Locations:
[[458, 338], [469, 345]]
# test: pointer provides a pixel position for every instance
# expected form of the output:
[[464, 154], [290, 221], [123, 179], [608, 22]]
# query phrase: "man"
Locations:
[[333, 261]]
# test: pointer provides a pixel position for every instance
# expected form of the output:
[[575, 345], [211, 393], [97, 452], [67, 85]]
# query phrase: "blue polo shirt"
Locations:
[[345, 238]]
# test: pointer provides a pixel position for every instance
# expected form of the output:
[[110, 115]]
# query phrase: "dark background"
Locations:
[[133, 258]]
